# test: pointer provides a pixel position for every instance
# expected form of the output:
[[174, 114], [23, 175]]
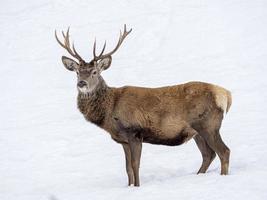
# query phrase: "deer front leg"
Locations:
[[135, 144], [129, 169]]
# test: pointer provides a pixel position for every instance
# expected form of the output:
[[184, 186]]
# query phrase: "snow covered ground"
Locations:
[[49, 152]]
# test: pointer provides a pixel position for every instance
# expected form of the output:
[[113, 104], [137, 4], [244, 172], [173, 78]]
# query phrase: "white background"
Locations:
[[47, 149]]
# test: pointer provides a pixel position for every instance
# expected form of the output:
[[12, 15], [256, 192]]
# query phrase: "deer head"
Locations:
[[88, 73]]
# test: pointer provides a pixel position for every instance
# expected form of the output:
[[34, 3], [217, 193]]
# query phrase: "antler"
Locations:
[[121, 38], [67, 46]]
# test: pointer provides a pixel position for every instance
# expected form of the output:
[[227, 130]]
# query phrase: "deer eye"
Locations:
[[94, 72]]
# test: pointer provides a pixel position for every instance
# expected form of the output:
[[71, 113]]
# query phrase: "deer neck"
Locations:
[[93, 105]]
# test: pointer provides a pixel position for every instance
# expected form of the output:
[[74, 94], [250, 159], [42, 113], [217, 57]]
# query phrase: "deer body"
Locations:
[[161, 115], [168, 115]]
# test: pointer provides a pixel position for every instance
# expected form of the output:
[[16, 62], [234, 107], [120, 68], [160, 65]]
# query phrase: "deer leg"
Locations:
[[129, 169], [207, 153], [215, 142], [135, 144]]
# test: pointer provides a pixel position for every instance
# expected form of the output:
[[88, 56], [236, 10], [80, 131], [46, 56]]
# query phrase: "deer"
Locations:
[[170, 115]]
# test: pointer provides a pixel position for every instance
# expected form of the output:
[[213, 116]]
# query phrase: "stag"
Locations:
[[132, 115]]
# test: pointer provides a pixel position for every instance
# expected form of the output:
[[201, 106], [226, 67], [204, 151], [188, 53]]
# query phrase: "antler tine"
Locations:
[[94, 51], [61, 44], [103, 49], [67, 38], [76, 53], [67, 46], [121, 39]]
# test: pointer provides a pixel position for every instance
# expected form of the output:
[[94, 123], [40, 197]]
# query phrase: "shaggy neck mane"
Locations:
[[92, 105]]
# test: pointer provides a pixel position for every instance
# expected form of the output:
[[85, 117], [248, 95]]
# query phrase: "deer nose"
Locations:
[[81, 84]]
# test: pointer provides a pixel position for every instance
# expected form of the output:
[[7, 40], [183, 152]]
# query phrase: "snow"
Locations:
[[47, 149]]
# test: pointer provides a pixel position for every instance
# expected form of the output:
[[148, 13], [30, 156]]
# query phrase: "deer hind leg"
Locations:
[[129, 169], [215, 142], [207, 153]]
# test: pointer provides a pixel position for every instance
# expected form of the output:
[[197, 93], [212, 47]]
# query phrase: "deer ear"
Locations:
[[69, 63], [104, 63]]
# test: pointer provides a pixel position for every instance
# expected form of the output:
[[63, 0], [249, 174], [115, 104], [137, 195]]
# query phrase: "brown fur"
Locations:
[[166, 116], [169, 116]]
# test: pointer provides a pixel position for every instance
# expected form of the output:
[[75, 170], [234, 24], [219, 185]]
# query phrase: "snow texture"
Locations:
[[49, 152]]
